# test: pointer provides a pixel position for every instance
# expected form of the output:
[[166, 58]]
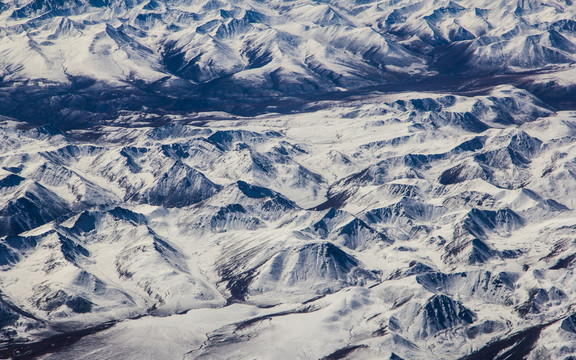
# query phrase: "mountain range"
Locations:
[[86, 62], [287, 179]]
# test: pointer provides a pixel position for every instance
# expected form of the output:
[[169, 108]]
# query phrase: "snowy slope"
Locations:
[[427, 223], [289, 47], [87, 60]]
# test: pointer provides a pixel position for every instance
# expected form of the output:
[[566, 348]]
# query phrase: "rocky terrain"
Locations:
[[311, 180]]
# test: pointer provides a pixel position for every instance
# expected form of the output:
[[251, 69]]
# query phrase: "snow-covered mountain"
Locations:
[[423, 224], [288, 47], [86, 61], [287, 179]]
